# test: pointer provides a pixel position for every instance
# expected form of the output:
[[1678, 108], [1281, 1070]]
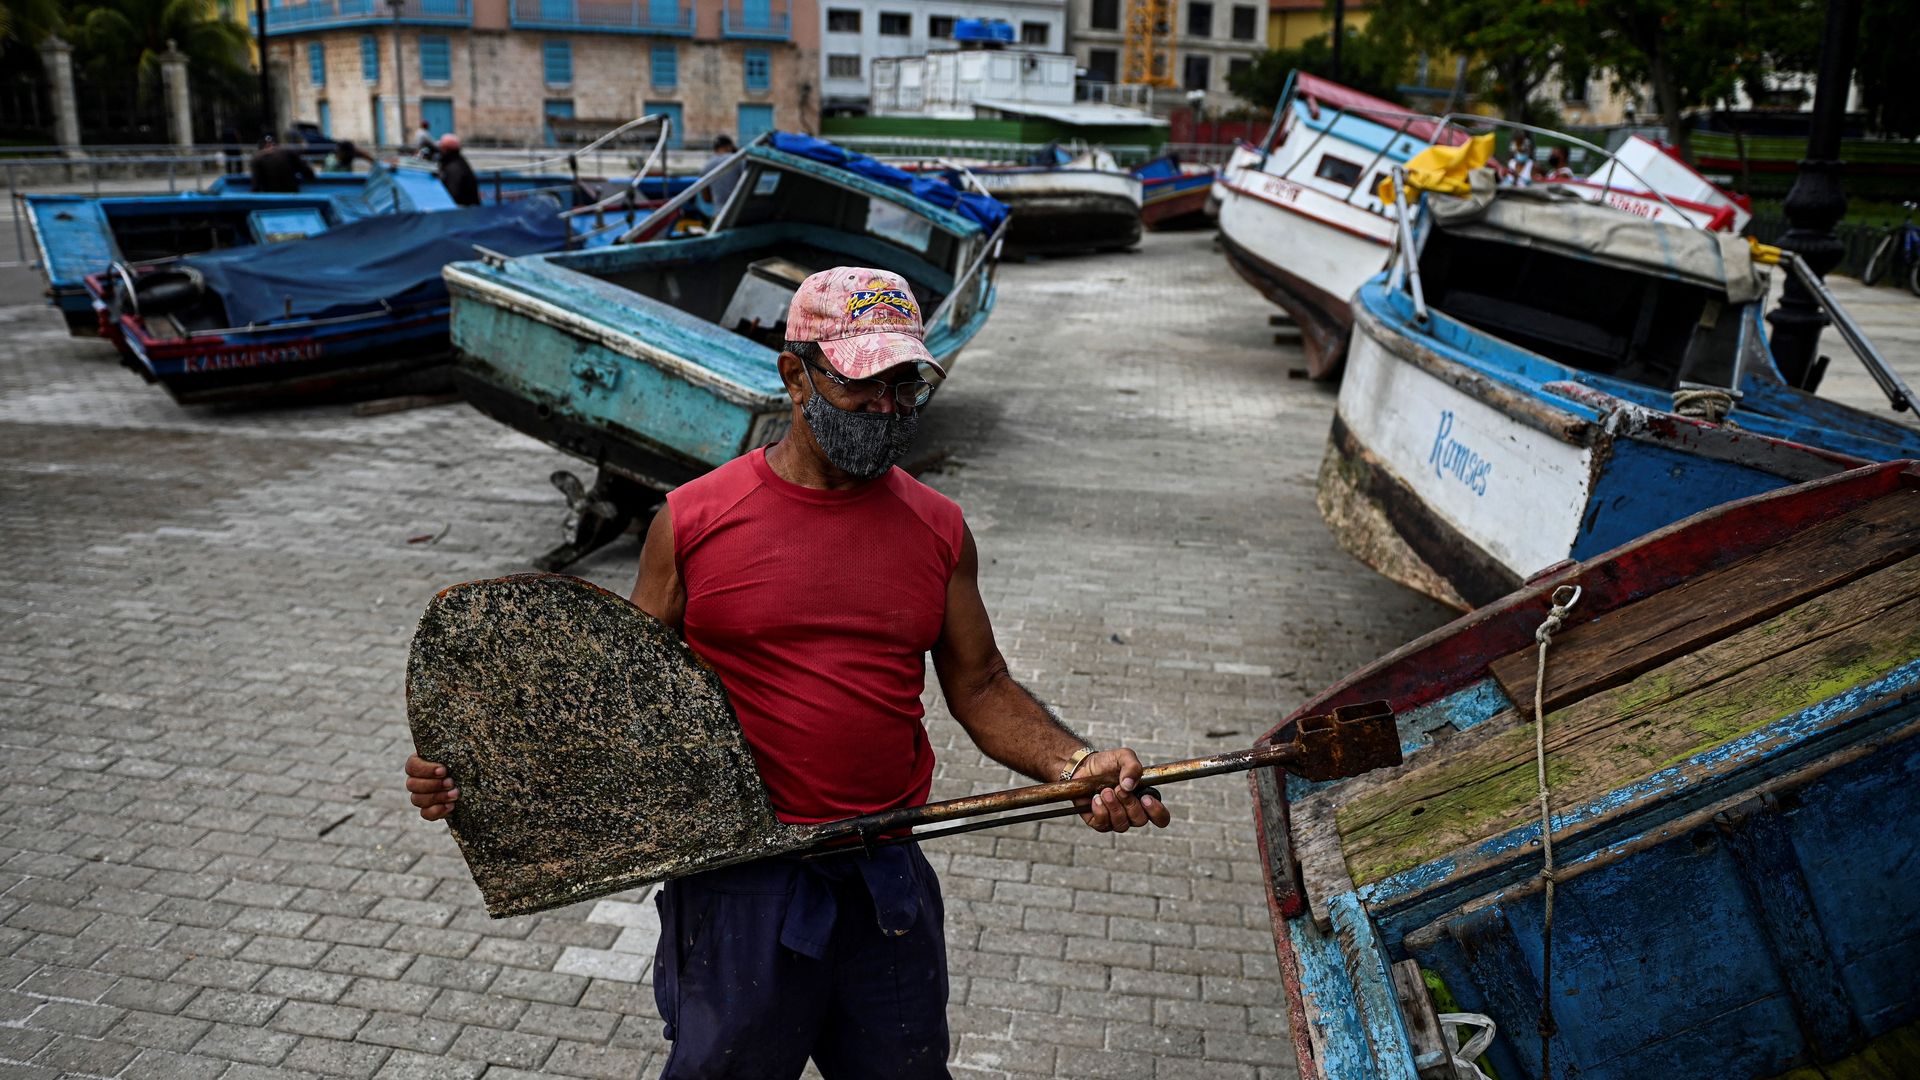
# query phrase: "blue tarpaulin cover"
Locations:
[[393, 259], [986, 210]]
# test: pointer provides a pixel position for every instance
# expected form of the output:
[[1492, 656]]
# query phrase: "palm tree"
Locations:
[[28, 22], [115, 39]]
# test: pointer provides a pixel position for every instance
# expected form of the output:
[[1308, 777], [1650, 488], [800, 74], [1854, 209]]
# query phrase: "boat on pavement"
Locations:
[[77, 235], [1300, 216], [1066, 202], [362, 303], [1727, 736], [1650, 179], [1174, 195], [1540, 378], [655, 362]]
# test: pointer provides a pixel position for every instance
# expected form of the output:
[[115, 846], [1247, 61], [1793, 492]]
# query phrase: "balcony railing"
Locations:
[[765, 20], [330, 14], [605, 16]]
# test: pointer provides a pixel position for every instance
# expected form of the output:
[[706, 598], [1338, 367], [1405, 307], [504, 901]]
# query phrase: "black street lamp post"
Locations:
[[400, 76], [1816, 202], [266, 84]]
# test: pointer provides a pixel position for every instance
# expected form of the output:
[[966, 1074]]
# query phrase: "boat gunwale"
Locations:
[[511, 295]]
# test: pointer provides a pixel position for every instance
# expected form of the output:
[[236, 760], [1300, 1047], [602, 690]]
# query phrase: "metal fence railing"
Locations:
[[972, 150]]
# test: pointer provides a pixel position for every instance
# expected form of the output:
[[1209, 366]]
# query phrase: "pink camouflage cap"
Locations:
[[864, 320]]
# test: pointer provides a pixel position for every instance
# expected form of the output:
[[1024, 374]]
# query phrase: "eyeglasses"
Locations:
[[907, 393]]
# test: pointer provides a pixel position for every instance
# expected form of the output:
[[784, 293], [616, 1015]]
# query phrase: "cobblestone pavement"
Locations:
[[208, 869]]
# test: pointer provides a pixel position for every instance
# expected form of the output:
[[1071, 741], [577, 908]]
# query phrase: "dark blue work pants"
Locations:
[[844, 960]]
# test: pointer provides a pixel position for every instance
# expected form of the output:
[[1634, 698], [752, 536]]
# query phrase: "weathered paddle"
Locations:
[[594, 752]]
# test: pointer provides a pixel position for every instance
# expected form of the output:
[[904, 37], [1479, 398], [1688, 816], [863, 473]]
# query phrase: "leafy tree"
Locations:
[[1371, 62], [1516, 47], [1697, 52], [1889, 40]]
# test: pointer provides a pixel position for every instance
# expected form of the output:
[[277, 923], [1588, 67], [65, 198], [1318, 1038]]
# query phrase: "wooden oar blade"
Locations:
[[593, 752]]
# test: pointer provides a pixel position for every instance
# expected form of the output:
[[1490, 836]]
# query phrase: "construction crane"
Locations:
[[1149, 48]]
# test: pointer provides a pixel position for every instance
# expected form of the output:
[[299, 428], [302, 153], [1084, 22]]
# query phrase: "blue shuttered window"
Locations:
[[666, 66], [317, 63], [370, 58], [759, 65], [672, 108], [559, 63], [436, 58]]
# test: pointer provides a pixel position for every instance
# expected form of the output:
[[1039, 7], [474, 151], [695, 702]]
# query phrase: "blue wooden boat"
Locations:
[[1731, 740], [656, 362], [1545, 379], [1172, 195], [77, 235], [361, 303]]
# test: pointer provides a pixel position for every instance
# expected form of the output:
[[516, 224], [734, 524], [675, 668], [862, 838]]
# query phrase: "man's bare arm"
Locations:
[[659, 591], [1008, 723]]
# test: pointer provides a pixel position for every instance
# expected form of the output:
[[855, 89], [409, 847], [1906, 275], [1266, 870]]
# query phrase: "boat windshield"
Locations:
[[781, 195], [1609, 320]]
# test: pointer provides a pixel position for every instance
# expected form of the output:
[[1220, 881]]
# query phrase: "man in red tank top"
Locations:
[[816, 577]]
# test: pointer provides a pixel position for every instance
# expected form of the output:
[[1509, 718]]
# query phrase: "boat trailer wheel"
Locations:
[[596, 515]]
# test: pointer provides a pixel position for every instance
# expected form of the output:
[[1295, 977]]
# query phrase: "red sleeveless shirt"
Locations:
[[817, 608]]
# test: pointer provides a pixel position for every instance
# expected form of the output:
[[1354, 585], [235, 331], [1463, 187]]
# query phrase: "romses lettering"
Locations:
[[1456, 459]]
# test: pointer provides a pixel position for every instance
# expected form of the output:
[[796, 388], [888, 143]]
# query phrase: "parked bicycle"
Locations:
[[1898, 251]]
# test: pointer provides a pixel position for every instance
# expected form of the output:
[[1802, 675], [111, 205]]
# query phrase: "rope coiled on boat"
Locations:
[[1564, 598], [1711, 406]]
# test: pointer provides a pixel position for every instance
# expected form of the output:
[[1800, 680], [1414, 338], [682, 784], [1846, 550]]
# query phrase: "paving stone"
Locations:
[[330, 1058], [96, 1057], [409, 1033], [177, 1033], [323, 1021], [512, 1049], [599, 1062], [407, 1065], [252, 1045], [165, 1065]]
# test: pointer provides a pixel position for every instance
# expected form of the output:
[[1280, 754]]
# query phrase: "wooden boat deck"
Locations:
[[1646, 687]]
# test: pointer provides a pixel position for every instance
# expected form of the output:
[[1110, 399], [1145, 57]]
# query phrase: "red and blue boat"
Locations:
[[1173, 195], [1727, 735]]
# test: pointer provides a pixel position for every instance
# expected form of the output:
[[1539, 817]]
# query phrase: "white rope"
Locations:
[[1463, 1056], [1564, 598], [1709, 405]]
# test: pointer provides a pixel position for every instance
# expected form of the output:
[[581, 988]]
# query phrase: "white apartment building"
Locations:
[[1211, 39], [854, 33]]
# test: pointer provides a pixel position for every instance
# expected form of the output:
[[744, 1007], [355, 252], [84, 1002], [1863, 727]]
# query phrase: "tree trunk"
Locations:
[[1666, 94]]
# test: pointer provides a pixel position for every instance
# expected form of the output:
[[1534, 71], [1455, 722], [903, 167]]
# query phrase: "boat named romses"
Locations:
[[1541, 378]]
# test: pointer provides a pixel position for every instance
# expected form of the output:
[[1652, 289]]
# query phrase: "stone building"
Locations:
[[854, 33], [1207, 41], [496, 71]]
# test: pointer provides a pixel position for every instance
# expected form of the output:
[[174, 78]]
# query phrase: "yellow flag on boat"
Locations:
[[1442, 168]]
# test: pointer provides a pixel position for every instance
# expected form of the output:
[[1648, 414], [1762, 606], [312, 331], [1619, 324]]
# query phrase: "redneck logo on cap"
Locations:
[[881, 298]]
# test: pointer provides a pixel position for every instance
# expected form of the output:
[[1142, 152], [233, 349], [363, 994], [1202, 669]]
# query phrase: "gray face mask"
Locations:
[[860, 444]]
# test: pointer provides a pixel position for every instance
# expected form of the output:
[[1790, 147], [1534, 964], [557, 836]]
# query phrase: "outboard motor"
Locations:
[[160, 292]]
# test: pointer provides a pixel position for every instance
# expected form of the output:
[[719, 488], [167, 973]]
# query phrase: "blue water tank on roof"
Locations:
[[983, 30]]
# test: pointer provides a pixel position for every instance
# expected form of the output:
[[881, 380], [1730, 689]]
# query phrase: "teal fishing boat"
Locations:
[[655, 362]]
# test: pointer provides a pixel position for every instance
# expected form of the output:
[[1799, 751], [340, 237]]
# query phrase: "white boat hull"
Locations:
[[1057, 210]]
